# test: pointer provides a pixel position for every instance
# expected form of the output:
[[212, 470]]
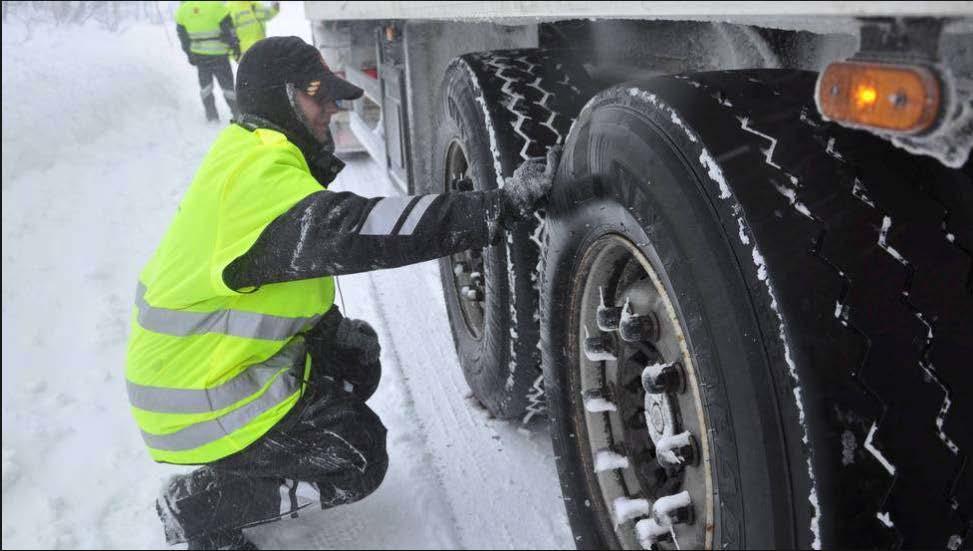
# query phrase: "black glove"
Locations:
[[356, 339], [358, 352], [346, 353], [523, 190]]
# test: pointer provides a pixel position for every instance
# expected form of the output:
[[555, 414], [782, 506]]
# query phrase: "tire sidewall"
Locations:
[[460, 122], [668, 218]]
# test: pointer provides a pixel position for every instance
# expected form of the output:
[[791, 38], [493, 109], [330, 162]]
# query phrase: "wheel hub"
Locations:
[[469, 281], [635, 358]]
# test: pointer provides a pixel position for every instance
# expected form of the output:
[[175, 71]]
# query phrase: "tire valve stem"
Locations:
[[662, 378], [677, 451], [598, 348], [608, 316], [636, 327]]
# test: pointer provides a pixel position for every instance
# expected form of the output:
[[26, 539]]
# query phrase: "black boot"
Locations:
[[227, 539]]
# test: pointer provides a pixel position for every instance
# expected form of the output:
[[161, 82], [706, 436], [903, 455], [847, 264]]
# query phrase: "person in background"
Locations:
[[249, 20], [207, 37], [238, 359]]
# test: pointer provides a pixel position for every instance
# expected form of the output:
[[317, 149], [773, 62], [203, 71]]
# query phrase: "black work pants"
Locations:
[[329, 450], [218, 66]]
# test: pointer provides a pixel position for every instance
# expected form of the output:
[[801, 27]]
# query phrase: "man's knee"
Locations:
[[377, 459], [362, 438], [352, 485], [367, 434], [374, 475]]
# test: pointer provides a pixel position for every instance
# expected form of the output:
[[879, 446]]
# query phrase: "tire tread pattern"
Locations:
[[882, 292], [532, 97]]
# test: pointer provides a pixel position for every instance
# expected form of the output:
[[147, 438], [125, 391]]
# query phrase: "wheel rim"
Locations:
[[644, 467], [469, 277]]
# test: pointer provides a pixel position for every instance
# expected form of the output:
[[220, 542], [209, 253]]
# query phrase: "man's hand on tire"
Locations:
[[526, 187]]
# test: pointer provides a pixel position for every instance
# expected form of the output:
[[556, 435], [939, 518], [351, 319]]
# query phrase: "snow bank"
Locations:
[[101, 134]]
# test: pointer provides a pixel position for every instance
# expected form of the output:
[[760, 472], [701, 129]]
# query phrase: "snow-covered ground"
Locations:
[[102, 133]]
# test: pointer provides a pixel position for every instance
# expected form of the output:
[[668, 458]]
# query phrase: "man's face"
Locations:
[[317, 113]]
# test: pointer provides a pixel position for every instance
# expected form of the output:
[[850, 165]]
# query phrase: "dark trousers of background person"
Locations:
[[328, 451], [218, 66]]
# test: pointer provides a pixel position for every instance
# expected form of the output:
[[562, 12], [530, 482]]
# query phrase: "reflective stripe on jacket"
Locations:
[[201, 21]]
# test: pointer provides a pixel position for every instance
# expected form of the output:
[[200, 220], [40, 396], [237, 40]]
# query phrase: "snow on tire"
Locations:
[[501, 108], [822, 280]]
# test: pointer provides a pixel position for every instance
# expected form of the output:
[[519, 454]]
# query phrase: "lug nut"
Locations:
[[662, 378], [471, 293], [650, 532], [598, 400], [677, 451], [459, 268], [607, 459], [636, 327], [476, 277], [608, 317], [674, 509], [598, 348], [626, 509]]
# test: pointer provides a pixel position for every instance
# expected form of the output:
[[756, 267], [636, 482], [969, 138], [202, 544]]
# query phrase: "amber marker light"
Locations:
[[898, 98], [865, 96]]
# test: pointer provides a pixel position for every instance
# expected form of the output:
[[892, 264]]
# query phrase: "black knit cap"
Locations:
[[272, 63], [278, 60]]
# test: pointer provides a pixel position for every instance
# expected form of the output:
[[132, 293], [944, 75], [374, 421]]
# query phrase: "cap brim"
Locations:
[[345, 90], [339, 89]]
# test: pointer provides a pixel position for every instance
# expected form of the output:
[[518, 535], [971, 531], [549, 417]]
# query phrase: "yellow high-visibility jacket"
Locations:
[[210, 369], [249, 20]]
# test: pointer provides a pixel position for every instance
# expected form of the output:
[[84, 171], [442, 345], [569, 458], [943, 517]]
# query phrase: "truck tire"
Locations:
[[804, 295], [501, 108]]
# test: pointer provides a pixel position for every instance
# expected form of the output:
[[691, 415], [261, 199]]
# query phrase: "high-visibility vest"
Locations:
[[209, 369], [248, 20], [202, 23]]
